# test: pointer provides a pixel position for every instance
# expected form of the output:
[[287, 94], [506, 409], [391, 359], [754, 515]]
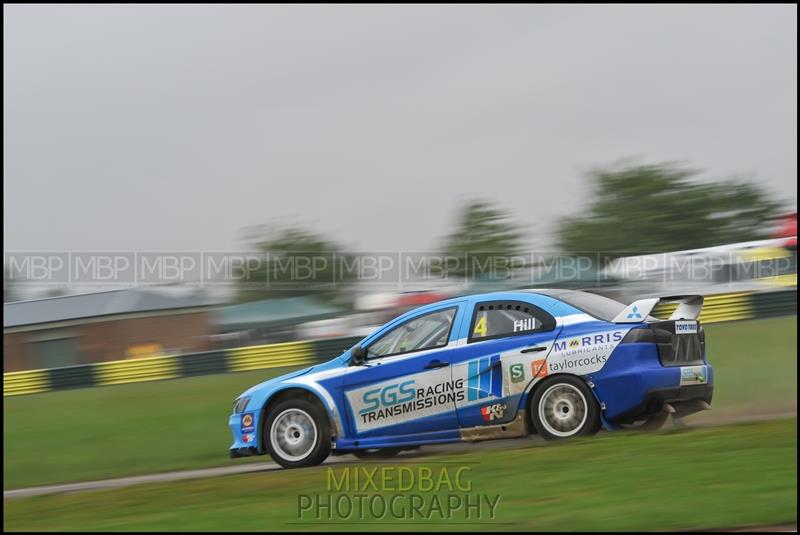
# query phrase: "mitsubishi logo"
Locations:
[[635, 313]]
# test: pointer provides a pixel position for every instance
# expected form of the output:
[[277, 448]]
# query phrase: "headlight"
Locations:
[[240, 404]]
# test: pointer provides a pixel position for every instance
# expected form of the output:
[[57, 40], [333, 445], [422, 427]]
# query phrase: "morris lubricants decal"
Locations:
[[584, 354]]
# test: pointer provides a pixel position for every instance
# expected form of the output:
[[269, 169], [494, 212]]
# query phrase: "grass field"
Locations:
[[95, 433], [755, 367], [717, 477]]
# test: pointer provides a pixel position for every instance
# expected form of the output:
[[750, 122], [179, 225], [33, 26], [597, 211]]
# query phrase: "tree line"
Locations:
[[632, 209]]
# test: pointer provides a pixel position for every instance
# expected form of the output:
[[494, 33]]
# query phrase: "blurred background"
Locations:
[[187, 186]]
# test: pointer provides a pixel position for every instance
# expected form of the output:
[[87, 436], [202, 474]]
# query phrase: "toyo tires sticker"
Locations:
[[685, 327]]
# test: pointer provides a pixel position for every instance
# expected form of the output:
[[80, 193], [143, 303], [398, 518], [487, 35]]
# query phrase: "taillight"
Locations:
[[673, 349], [640, 336]]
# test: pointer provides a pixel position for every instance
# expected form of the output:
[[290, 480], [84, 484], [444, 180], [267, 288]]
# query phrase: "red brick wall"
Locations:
[[14, 357], [109, 340]]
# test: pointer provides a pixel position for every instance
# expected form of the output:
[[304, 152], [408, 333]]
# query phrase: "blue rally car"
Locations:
[[558, 362]]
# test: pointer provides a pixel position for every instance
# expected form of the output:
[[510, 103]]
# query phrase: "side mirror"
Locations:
[[358, 355]]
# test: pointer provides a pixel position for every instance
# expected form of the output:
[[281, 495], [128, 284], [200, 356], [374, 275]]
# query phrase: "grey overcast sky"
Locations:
[[165, 128]]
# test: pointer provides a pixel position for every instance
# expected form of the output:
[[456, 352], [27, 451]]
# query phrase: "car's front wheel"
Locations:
[[564, 407], [296, 433]]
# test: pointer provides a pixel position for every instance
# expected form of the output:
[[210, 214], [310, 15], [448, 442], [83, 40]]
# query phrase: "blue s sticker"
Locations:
[[247, 422]]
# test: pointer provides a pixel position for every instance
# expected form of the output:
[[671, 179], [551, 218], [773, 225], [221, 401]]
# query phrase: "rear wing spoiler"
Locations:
[[689, 307]]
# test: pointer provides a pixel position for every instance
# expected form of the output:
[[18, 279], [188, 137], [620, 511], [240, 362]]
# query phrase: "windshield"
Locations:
[[424, 332]]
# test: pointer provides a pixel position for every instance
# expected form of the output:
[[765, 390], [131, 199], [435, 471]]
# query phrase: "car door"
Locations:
[[506, 347], [405, 388]]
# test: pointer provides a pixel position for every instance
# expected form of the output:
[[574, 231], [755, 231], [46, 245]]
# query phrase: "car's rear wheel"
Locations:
[[297, 434], [564, 407]]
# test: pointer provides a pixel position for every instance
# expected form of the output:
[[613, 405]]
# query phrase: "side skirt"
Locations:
[[518, 427]]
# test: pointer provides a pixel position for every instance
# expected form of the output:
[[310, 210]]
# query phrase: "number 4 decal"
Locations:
[[480, 327]]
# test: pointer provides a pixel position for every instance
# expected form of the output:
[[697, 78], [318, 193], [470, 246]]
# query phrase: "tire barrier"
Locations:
[[740, 306], [28, 382], [769, 305], [717, 308], [270, 356], [136, 370], [172, 367]]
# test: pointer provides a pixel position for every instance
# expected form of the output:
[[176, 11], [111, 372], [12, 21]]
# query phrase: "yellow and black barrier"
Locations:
[[27, 382], [739, 306], [716, 308], [172, 367]]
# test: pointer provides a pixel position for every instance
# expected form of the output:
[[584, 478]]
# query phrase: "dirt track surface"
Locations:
[[458, 447]]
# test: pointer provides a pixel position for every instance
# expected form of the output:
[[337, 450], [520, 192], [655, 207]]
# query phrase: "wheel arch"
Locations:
[[585, 379], [535, 386], [291, 392]]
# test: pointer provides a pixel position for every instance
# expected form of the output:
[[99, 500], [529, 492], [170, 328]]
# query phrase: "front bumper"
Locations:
[[245, 430], [235, 453]]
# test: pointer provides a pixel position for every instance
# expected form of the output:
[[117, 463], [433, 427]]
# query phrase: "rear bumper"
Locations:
[[633, 383], [685, 400]]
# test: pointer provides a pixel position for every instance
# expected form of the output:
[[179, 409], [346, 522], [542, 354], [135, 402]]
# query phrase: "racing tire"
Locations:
[[297, 434], [564, 407], [375, 454]]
